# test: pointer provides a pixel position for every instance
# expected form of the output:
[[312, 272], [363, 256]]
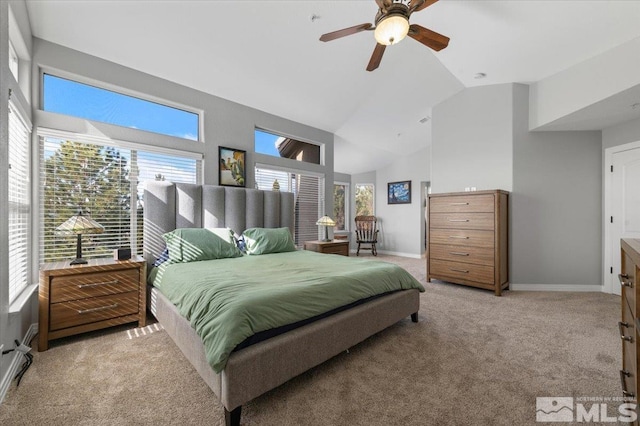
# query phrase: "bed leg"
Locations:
[[414, 317], [232, 418]]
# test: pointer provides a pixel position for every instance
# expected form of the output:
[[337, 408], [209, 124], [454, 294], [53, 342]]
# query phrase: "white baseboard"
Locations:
[[556, 287], [16, 360]]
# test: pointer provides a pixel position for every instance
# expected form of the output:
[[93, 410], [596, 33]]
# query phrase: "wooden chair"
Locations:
[[367, 233]]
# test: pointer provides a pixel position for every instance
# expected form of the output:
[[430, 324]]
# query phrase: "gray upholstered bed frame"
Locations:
[[259, 368]]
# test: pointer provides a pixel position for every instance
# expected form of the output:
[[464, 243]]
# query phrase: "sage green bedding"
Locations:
[[228, 300]]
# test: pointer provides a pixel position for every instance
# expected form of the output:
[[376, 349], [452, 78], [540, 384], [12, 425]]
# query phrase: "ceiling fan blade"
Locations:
[[418, 5], [427, 37], [345, 32], [376, 57]]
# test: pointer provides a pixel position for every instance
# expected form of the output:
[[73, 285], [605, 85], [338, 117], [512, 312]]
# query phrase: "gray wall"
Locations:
[[472, 140], [555, 203], [481, 139], [621, 134], [402, 225]]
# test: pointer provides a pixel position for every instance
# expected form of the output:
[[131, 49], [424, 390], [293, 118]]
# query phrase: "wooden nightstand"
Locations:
[[80, 298], [332, 247]]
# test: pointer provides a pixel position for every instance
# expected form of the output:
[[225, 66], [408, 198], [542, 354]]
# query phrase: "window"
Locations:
[[13, 61], [365, 201], [341, 206], [106, 182], [19, 202], [280, 146], [308, 190], [81, 100]]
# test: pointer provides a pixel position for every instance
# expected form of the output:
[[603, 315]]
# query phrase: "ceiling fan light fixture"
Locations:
[[392, 29]]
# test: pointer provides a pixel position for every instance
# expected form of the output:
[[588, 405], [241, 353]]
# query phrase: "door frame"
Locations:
[[606, 251]]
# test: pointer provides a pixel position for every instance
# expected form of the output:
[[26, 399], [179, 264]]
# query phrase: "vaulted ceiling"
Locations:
[[266, 55]]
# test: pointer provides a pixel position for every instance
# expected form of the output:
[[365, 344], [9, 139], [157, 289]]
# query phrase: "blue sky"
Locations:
[[266, 143]]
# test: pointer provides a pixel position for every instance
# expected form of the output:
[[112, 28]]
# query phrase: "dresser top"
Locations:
[[631, 246], [487, 191]]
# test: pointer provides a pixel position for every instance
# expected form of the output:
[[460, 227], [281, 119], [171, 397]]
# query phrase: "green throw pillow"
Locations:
[[268, 240], [193, 244]]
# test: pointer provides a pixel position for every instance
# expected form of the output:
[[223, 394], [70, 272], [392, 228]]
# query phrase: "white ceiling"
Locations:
[[266, 54]]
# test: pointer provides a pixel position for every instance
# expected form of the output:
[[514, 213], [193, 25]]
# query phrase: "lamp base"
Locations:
[[79, 261], [326, 240]]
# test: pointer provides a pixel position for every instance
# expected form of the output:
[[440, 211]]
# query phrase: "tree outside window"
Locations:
[[364, 199], [340, 206]]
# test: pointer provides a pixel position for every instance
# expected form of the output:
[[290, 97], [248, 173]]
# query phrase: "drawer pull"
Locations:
[[98, 284], [455, 253], [622, 336], [624, 374], [622, 278], [459, 204], [464, 271], [460, 238], [100, 308], [458, 220]]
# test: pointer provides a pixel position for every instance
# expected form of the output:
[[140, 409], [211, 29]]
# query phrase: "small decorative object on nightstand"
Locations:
[[77, 225], [326, 221], [328, 247], [79, 298]]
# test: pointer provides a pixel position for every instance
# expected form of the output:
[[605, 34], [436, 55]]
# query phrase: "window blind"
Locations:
[[19, 202], [308, 190], [107, 183]]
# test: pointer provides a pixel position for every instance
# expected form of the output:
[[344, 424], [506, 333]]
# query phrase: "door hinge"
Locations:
[[611, 270], [611, 219], [612, 168]]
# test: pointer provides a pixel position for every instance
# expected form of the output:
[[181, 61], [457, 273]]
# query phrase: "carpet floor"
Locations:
[[473, 358]]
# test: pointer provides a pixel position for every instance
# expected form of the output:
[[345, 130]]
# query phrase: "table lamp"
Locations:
[[79, 224], [326, 221]]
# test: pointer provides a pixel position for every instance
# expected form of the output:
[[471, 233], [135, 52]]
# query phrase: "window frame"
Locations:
[[14, 62], [101, 85]]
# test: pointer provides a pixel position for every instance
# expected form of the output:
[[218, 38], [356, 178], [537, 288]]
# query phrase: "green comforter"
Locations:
[[228, 300]]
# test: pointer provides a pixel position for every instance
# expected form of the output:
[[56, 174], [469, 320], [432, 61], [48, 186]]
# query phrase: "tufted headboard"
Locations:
[[168, 206]]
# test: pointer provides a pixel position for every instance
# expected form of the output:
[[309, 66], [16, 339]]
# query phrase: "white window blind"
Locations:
[[107, 183], [308, 190], [19, 202]]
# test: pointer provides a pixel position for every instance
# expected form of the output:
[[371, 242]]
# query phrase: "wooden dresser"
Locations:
[[80, 298], [467, 234], [629, 326], [328, 247]]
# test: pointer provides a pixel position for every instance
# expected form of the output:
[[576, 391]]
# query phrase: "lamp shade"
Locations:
[[79, 224], [392, 29], [325, 221]]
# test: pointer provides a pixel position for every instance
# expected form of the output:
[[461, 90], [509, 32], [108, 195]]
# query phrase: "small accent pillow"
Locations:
[[162, 258], [240, 242], [194, 244], [268, 240]]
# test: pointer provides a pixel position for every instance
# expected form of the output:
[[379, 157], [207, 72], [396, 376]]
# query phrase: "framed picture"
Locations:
[[231, 167], [399, 192]]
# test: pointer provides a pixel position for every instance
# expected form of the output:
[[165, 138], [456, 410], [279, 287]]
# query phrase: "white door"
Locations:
[[625, 205]]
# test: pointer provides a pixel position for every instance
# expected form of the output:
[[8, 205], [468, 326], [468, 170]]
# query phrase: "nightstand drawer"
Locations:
[[77, 312], [82, 286]]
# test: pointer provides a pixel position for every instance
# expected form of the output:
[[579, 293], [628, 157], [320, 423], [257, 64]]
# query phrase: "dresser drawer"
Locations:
[[81, 286], [628, 282], [463, 220], [468, 254], [447, 270], [83, 311], [462, 237], [462, 204]]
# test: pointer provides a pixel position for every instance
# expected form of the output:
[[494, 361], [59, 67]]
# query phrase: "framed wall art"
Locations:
[[399, 192], [231, 166]]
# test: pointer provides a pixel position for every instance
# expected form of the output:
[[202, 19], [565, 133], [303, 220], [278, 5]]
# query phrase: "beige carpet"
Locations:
[[472, 359]]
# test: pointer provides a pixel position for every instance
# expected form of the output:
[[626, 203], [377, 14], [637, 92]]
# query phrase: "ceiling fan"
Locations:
[[391, 26]]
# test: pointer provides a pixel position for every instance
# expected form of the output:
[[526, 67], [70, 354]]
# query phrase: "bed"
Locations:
[[259, 367]]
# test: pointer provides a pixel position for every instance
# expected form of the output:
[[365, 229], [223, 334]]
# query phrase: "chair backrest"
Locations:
[[366, 228]]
